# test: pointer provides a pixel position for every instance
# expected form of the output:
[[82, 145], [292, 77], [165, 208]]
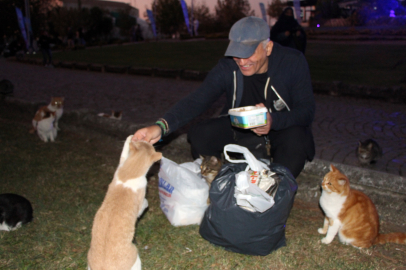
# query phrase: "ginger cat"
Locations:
[[55, 106], [113, 229], [351, 214]]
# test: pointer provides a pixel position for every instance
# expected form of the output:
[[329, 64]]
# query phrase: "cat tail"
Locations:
[[398, 238]]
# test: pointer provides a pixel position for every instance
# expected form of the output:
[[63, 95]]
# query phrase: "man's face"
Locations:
[[256, 63], [289, 12]]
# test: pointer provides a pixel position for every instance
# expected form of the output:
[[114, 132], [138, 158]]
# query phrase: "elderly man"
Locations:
[[255, 72]]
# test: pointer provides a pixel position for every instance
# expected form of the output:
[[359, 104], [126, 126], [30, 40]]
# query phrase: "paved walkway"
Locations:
[[339, 124]]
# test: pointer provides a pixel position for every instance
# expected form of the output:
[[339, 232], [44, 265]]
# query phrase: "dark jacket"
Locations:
[[289, 75]]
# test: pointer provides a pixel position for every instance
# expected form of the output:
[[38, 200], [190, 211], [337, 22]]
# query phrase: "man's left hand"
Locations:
[[263, 130]]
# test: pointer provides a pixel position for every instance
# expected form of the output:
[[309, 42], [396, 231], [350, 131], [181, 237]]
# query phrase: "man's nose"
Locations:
[[242, 61]]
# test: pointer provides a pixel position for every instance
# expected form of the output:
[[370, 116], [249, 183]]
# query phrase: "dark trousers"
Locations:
[[290, 147], [46, 56]]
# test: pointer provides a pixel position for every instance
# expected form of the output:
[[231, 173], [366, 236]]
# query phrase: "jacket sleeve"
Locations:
[[213, 86], [300, 98]]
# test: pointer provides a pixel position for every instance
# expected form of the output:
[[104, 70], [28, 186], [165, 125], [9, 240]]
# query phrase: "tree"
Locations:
[[275, 9], [230, 11], [100, 24], [125, 21], [96, 21], [206, 20], [8, 18], [168, 16]]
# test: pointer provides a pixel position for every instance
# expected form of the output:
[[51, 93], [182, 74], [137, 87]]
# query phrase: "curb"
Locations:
[[381, 181], [380, 187], [394, 94]]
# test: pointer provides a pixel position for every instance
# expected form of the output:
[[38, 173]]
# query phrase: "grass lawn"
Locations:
[[364, 64], [66, 182]]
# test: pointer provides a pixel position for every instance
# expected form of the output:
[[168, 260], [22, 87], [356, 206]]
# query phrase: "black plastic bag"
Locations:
[[226, 224]]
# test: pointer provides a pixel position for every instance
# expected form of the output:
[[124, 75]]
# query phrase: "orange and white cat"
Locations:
[[55, 106], [351, 214], [113, 229]]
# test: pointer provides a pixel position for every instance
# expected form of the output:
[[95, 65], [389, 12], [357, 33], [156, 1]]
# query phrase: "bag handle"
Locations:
[[253, 163]]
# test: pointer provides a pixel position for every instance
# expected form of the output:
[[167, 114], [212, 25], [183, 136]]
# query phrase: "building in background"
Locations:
[[108, 5], [307, 7]]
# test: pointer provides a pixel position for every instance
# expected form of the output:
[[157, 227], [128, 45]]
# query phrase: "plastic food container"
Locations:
[[248, 117]]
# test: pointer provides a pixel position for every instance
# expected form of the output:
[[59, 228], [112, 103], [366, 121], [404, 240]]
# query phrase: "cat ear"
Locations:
[[213, 160], [332, 168], [342, 182], [201, 157]]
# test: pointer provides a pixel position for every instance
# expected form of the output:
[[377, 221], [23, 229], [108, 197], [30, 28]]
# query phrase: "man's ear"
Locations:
[[268, 48]]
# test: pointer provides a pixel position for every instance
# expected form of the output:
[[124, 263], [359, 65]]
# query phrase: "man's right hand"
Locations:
[[150, 134]]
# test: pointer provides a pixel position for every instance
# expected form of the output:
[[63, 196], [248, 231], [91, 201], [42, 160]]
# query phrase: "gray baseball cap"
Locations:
[[245, 36]]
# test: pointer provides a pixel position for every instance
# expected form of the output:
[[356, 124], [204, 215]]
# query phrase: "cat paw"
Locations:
[[326, 241], [321, 231]]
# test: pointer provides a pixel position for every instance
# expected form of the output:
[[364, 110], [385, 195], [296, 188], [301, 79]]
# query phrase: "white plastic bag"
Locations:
[[253, 163], [193, 166], [248, 195], [183, 194]]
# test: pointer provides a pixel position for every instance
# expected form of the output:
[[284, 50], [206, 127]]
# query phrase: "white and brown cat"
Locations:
[[113, 229], [47, 115], [46, 129], [351, 214]]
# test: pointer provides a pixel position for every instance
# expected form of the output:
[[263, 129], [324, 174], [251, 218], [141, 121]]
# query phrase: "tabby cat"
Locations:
[[209, 169], [368, 152], [114, 224], [351, 214], [55, 106], [15, 211]]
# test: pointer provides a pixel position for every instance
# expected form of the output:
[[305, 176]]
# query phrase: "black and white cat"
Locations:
[[15, 211]]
